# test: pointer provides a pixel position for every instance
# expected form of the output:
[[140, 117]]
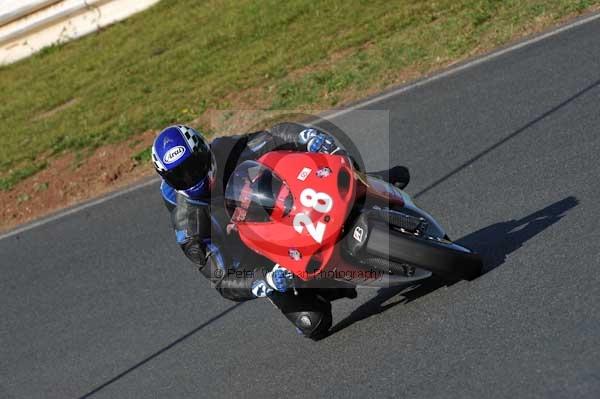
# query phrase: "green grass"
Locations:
[[143, 156], [15, 176], [181, 57]]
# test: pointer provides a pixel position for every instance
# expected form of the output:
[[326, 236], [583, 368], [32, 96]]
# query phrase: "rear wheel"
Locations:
[[440, 256]]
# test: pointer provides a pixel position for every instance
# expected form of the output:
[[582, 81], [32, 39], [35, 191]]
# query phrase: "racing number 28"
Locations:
[[320, 202]]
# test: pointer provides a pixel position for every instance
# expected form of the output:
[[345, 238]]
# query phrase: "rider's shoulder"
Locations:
[[168, 193], [172, 197]]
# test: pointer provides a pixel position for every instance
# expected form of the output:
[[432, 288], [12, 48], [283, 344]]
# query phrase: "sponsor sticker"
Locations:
[[323, 172], [358, 233], [294, 254], [304, 174], [174, 154]]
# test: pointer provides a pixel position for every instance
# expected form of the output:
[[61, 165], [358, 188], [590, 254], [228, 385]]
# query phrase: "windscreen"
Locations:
[[254, 193]]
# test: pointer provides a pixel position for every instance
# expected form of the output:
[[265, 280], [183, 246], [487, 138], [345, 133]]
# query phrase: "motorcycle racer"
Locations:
[[194, 174]]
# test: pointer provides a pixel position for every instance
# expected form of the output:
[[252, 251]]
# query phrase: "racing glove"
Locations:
[[317, 141], [279, 278]]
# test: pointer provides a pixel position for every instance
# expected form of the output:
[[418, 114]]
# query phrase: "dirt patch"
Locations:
[[65, 181]]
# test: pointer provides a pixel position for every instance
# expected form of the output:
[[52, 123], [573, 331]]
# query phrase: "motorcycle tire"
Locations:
[[439, 256]]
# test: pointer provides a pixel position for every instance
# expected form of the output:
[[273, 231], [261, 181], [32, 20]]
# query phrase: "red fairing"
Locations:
[[302, 238]]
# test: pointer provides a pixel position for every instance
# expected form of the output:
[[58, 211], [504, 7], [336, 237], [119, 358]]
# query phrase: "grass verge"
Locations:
[[15, 176], [182, 57]]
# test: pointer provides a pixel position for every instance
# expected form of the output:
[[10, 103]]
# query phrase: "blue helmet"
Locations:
[[182, 157]]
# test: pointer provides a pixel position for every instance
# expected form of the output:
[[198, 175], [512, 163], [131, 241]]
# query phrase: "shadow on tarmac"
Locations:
[[494, 243]]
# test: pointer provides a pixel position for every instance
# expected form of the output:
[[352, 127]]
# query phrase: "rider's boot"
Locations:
[[399, 176], [310, 313]]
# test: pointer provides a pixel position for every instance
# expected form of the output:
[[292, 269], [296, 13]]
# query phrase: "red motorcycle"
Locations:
[[324, 221]]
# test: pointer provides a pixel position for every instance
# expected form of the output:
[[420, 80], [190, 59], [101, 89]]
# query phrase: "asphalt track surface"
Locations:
[[102, 304]]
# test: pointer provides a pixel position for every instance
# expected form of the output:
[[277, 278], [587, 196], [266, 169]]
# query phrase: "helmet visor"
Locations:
[[190, 172]]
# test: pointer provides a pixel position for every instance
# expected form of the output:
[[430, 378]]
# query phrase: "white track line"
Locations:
[[335, 114]]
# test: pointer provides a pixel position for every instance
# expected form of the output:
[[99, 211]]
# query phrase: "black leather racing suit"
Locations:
[[200, 228]]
